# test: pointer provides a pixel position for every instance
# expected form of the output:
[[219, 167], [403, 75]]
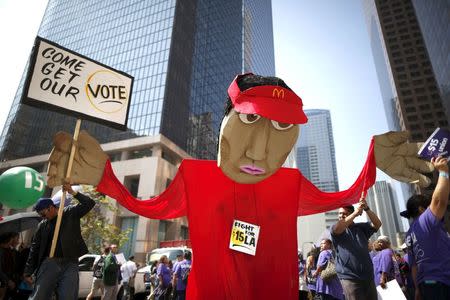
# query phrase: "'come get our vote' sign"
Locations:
[[62, 80]]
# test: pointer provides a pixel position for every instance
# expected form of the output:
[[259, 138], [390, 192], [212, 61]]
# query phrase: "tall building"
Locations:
[[410, 46], [182, 54], [401, 48], [381, 200], [315, 157]]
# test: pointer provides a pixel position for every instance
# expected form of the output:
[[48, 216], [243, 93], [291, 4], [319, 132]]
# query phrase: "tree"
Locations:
[[96, 229]]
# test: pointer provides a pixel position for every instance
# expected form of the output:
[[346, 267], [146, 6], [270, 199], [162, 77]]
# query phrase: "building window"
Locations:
[[132, 184], [184, 232], [140, 153], [115, 156], [129, 223], [162, 229]]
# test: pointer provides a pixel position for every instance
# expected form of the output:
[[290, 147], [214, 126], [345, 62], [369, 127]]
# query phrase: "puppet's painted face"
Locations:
[[252, 148]]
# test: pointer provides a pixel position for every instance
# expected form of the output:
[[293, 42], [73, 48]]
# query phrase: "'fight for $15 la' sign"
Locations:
[[64, 80]]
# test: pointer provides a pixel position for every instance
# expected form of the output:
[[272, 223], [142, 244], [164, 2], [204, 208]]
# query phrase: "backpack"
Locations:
[[98, 268], [185, 270]]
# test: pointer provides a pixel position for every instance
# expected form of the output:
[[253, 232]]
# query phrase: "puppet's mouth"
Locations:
[[252, 170]]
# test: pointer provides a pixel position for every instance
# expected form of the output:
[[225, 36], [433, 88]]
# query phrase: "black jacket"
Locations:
[[72, 244]]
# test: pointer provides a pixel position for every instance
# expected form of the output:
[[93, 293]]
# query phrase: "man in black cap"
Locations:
[[427, 240], [60, 273]]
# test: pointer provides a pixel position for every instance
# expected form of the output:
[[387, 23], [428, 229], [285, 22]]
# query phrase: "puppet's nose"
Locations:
[[257, 149]]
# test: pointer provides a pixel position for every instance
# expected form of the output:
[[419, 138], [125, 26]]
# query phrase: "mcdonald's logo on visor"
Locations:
[[278, 93]]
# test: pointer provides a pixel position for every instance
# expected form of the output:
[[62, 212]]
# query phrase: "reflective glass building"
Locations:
[[182, 54]]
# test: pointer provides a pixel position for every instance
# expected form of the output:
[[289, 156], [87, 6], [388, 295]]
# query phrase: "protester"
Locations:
[[311, 265], [58, 274], [383, 263], [302, 286], [111, 274], [353, 264], [427, 240], [180, 276], [7, 281], [97, 275], [128, 270], [405, 269], [164, 288], [331, 288]]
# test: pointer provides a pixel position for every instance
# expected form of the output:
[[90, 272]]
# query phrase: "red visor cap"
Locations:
[[272, 102]]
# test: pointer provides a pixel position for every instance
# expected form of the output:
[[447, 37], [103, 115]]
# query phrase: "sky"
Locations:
[[322, 51]]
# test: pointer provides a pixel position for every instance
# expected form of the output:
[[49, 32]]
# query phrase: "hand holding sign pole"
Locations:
[[63, 196]]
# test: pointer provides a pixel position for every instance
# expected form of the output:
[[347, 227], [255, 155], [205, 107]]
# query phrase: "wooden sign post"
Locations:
[[63, 196]]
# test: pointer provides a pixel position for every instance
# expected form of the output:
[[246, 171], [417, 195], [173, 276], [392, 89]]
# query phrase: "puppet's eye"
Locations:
[[281, 126], [249, 118]]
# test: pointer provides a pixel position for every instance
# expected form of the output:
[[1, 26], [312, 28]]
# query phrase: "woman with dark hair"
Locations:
[[164, 288], [327, 289], [302, 286], [311, 262]]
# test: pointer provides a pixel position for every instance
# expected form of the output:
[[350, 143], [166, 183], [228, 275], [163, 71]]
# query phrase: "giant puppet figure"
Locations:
[[242, 209]]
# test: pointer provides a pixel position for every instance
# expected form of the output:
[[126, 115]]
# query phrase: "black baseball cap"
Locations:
[[43, 203], [413, 204]]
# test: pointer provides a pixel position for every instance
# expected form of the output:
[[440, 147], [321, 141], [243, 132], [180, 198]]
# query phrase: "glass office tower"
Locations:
[[182, 54]]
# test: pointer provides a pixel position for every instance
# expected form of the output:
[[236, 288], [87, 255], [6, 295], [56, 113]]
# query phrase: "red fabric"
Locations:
[[212, 201]]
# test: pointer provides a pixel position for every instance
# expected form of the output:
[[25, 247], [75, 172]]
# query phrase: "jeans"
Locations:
[[56, 275], [359, 289], [128, 291]]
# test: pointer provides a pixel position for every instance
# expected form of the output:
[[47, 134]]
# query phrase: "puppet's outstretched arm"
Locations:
[[91, 166], [397, 157], [311, 200], [390, 152]]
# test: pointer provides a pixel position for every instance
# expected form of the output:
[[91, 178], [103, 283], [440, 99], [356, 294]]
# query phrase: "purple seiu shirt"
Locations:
[[383, 262], [179, 269], [332, 287], [165, 273], [429, 244]]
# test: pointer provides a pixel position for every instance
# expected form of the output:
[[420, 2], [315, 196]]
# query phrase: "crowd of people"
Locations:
[[13, 256], [349, 266], [108, 273], [169, 280]]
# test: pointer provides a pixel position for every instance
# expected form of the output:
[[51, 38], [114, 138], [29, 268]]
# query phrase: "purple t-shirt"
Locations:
[[165, 273], [332, 287], [179, 270], [383, 262], [429, 244]]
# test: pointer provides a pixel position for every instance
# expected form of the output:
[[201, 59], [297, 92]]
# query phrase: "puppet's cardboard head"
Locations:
[[259, 129]]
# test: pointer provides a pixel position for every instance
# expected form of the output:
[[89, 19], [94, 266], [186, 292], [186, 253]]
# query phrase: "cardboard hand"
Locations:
[[88, 165], [398, 158]]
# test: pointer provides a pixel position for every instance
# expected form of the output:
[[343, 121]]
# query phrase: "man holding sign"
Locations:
[[59, 273], [244, 206]]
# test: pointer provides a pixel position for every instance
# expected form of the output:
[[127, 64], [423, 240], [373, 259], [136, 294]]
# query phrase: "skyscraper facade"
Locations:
[[315, 157], [182, 54], [381, 200], [410, 44]]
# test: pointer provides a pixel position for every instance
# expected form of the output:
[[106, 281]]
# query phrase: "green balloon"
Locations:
[[21, 187]]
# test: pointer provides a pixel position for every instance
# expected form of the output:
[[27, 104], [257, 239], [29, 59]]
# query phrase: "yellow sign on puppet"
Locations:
[[244, 237]]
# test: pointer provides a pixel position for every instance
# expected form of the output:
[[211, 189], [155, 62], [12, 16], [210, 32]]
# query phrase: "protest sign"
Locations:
[[62, 80], [392, 291], [436, 145]]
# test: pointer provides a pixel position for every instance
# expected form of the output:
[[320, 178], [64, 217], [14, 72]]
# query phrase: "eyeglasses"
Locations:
[[43, 212]]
